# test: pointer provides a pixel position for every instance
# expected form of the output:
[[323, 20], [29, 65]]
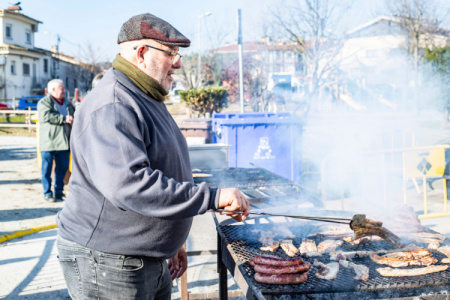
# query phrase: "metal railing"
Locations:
[[416, 162]]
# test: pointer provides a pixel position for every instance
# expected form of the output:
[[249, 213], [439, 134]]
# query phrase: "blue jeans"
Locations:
[[92, 274], [61, 167]]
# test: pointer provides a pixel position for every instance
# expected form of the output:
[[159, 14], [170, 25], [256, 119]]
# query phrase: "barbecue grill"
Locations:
[[236, 248]]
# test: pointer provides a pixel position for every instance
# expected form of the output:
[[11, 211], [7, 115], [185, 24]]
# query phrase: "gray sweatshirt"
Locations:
[[131, 190]]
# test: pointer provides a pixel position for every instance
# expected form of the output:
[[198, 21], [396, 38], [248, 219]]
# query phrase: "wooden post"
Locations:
[[28, 119], [14, 103], [183, 283]]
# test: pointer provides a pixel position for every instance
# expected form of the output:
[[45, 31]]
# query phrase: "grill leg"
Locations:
[[222, 270]]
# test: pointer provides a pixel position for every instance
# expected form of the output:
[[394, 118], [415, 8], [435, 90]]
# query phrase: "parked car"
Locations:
[[28, 101]]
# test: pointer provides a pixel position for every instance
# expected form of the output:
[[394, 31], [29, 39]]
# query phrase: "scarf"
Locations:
[[147, 84]]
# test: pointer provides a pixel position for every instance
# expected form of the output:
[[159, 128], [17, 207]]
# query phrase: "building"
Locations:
[[375, 56], [277, 57], [25, 69]]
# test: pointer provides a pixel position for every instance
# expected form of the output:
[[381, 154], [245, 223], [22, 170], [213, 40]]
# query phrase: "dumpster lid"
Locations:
[[256, 118]]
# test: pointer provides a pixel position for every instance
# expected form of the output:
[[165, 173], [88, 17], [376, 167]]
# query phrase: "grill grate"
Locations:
[[244, 248]]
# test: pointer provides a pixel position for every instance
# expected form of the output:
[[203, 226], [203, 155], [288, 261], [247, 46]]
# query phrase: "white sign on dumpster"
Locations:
[[264, 151]]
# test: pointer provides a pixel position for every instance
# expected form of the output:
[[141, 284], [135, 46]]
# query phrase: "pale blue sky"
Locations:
[[99, 21]]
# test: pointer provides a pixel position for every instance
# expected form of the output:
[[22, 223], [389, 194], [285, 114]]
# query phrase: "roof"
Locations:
[[256, 46], [5, 11], [436, 29]]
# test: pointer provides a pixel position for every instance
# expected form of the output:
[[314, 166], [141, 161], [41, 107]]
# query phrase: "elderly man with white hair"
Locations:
[[55, 119], [132, 194]]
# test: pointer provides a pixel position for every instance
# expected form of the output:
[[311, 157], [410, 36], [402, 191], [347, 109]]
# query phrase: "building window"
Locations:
[[13, 68], [75, 83], [28, 37], [8, 31], [45, 65], [67, 83], [26, 69]]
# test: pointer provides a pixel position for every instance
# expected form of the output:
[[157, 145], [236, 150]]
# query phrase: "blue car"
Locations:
[[28, 101]]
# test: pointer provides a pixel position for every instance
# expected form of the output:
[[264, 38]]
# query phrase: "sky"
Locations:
[[98, 22]]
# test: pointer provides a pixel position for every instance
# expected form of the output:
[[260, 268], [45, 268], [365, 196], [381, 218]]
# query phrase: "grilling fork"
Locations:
[[358, 219]]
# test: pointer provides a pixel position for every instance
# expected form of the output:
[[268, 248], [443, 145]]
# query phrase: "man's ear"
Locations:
[[140, 55]]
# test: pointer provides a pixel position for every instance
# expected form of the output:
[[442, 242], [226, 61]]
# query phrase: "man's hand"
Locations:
[[69, 120], [233, 199], [178, 264]]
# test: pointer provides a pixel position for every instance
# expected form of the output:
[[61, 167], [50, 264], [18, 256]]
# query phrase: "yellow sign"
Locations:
[[425, 163]]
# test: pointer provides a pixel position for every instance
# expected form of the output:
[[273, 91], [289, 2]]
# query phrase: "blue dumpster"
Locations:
[[269, 140]]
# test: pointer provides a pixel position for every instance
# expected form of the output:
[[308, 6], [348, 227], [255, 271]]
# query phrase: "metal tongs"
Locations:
[[357, 220]]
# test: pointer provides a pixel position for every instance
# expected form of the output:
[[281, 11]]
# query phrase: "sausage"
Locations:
[[252, 263], [281, 279], [275, 261], [282, 270]]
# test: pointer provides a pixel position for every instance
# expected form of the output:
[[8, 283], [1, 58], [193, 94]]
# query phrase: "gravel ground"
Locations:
[[23, 205]]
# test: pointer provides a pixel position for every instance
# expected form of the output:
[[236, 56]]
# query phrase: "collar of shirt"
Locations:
[[60, 102]]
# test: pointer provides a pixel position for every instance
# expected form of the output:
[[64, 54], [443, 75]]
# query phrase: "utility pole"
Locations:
[[241, 76], [199, 48]]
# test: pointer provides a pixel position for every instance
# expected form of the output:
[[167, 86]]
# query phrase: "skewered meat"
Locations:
[[362, 272], [444, 250], [268, 244], [284, 232], [289, 248], [282, 270], [364, 240], [275, 261], [328, 246], [331, 235], [341, 255], [375, 228], [281, 279], [421, 257], [308, 248], [389, 272], [328, 271]]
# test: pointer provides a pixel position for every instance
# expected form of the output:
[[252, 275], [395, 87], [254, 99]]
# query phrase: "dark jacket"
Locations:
[[51, 125], [131, 190]]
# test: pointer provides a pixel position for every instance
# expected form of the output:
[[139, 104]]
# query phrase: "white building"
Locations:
[[25, 69], [375, 55]]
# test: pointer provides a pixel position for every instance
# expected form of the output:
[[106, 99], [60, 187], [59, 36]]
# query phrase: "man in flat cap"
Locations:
[[132, 196]]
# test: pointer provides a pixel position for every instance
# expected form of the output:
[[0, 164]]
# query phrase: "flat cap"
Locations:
[[148, 26]]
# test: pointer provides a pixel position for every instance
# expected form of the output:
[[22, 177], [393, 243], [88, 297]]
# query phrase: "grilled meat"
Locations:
[[375, 228], [281, 279], [341, 255], [268, 244], [408, 248], [328, 271], [444, 250], [289, 248], [445, 261], [308, 248], [364, 240], [421, 257], [389, 272], [275, 261], [328, 246], [282, 270], [362, 272], [434, 245], [331, 235]]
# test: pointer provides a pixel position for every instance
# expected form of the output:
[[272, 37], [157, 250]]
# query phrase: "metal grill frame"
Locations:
[[228, 257]]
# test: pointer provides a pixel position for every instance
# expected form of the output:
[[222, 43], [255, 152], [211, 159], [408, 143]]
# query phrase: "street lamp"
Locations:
[[199, 55]]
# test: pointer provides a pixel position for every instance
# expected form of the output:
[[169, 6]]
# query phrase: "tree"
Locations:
[[439, 60], [91, 62], [311, 26]]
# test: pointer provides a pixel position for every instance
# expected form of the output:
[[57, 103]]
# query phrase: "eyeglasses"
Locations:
[[176, 56]]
